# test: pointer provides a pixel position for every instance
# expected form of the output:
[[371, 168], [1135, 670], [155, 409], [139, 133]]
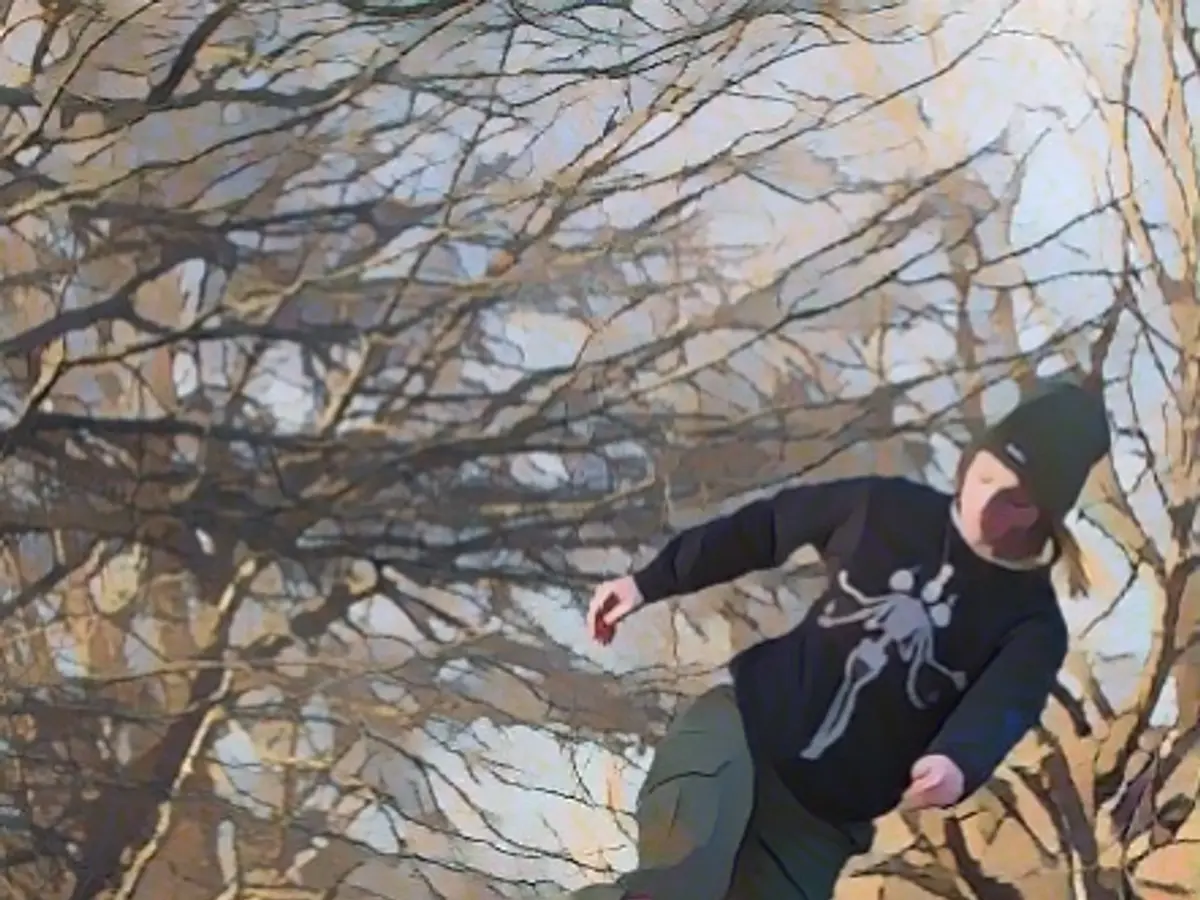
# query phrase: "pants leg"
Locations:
[[695, 804], [790, 854], [692, 809]]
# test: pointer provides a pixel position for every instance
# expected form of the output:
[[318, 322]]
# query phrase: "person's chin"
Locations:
[[995, 538], [1012, 545]]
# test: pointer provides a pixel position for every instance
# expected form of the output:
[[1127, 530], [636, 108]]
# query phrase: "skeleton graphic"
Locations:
[[899, 619]]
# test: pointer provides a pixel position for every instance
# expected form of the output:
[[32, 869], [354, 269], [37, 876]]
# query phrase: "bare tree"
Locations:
[[343, 345]]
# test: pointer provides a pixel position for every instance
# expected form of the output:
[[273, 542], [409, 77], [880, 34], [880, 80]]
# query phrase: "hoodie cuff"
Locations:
[[655, 582]]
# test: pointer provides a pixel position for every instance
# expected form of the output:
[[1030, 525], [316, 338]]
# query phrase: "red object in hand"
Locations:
[[605, 632]]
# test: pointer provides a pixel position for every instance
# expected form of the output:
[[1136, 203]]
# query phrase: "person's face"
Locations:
[[993, 507]]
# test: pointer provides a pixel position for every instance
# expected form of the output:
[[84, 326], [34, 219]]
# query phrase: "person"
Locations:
[[931, 652]]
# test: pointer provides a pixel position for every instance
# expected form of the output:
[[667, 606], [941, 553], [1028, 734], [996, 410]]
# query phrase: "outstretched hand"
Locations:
[[612, 602], [936, 781]]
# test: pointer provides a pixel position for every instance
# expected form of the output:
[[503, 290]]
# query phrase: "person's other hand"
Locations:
[[936, 781], [611, 603]]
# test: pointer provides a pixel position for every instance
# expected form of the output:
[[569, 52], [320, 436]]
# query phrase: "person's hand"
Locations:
[[611, 603], [936, 781]]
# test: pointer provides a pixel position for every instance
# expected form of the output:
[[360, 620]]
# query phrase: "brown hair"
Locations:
[[1069, 558], [1071, 561]]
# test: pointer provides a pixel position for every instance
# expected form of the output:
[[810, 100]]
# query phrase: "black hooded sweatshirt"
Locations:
[[917, 646]]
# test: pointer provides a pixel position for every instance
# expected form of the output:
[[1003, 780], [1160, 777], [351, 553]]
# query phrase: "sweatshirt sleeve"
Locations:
[[760, 535], [1005, 701]]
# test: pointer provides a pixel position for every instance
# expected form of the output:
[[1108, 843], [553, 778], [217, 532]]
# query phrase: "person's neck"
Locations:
[[1020, 558]]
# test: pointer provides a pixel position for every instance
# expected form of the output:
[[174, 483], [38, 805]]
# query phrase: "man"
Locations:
[[931, 652]]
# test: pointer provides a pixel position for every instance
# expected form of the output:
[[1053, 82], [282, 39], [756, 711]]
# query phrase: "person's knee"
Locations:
[[703, 811], [696, 801], [599, 892], [709, 736], [718, 707]]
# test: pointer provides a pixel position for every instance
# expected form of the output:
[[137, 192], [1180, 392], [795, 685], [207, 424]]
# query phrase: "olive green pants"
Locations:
[[713, 826]]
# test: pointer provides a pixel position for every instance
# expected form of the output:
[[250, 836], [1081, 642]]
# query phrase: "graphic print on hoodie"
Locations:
[[917, 645], [893, 628]]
